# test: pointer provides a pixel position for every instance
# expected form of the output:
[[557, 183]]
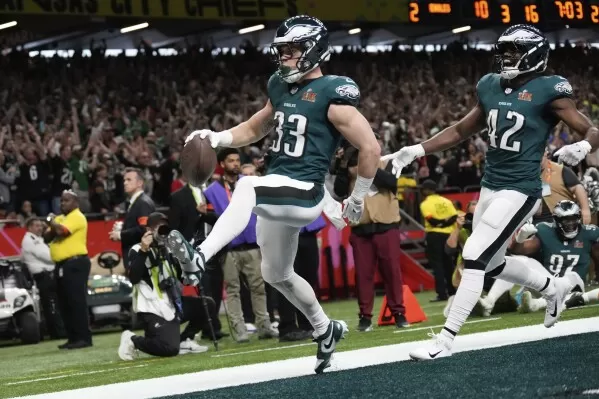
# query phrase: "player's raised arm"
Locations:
[[243, 134], [470, 124], [565, 109], [356, 129]]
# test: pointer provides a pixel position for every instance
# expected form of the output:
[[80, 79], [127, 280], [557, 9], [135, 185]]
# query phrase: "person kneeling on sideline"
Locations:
[[157, 298]]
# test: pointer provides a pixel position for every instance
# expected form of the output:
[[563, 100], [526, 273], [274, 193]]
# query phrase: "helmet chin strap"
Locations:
[[570, 235]]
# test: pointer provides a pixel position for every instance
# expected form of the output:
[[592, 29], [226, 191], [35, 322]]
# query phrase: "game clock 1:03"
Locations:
[[582, 13]]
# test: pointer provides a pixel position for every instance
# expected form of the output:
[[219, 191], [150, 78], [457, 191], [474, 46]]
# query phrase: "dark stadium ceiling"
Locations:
[[39, 33]]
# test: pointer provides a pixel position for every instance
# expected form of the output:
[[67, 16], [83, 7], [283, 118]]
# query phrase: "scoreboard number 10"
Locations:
[[481, 10]]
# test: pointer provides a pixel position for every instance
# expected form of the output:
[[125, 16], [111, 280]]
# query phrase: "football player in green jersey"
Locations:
[[311, 112], [519, 106], [566, 247]]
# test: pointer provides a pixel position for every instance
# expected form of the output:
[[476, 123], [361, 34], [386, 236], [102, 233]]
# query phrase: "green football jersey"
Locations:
[[306, 141], [519, 122], [560, 256]]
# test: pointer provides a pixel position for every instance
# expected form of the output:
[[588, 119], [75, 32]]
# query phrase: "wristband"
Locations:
[[586, 146], [419, 151], [361, 188], [225, 138]]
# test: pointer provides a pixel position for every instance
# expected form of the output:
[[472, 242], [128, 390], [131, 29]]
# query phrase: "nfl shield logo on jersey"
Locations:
[[578, 244]]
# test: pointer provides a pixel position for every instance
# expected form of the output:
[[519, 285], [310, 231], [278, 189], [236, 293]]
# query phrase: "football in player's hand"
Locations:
[[198, 161]]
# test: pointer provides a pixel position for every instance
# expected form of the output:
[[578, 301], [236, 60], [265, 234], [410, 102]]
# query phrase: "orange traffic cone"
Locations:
[[414, 313]]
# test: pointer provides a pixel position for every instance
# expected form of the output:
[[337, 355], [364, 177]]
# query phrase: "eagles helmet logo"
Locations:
[[563, 87], [350, 91], [298, 33]]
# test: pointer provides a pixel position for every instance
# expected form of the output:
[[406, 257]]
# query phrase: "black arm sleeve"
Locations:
[[137, 266], [341, 184], [443, 222], [451, 251], [570, 178]]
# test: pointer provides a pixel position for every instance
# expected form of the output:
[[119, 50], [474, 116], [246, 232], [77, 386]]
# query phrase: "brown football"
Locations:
[[198, 161]]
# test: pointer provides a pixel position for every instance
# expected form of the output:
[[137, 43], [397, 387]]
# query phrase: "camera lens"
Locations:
[[163, 230]]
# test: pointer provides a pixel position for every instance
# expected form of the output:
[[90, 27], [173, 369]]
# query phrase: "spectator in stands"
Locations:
[[439, 220], [34, 177], [7, 179]]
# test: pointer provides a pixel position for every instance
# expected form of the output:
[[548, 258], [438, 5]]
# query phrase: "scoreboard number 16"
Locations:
[[531, 14]]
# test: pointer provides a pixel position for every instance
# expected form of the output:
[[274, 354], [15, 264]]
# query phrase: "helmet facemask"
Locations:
[[306, 53], [521, 51], [568, 218], [568, 226]]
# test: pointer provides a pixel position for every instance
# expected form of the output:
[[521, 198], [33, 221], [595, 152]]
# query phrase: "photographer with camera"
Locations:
[[158, 299]]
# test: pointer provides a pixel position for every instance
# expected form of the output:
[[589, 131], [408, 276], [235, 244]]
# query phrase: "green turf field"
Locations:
[[550, 368], [43, 368]]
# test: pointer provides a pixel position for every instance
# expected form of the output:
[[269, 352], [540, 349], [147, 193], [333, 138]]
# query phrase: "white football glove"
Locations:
[[217, 139], [525, 232], [572, 154], [404, 157], [352, 209]]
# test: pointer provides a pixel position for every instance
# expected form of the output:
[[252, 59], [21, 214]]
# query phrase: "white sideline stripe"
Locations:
[[409, 329], [591, 392], [57, 377], [405, 330], [254, 373], [264, 350]]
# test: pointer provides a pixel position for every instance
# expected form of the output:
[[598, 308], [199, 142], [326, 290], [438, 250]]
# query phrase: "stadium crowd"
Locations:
[[78, 122]]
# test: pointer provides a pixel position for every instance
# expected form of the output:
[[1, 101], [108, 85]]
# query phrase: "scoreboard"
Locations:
[[544, 13]]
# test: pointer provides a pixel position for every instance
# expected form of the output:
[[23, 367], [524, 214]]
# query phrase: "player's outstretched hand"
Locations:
[[525, 232], [404, 157], [212, 136], [352, 209], [573, 154]]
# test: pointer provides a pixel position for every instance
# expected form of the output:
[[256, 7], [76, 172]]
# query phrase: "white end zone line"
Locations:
[[57, 377], [403, 330], [408, 329], [254, 373]]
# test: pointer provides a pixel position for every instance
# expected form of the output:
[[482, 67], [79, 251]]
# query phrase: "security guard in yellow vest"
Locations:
[[439, 221], [67, 238]]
